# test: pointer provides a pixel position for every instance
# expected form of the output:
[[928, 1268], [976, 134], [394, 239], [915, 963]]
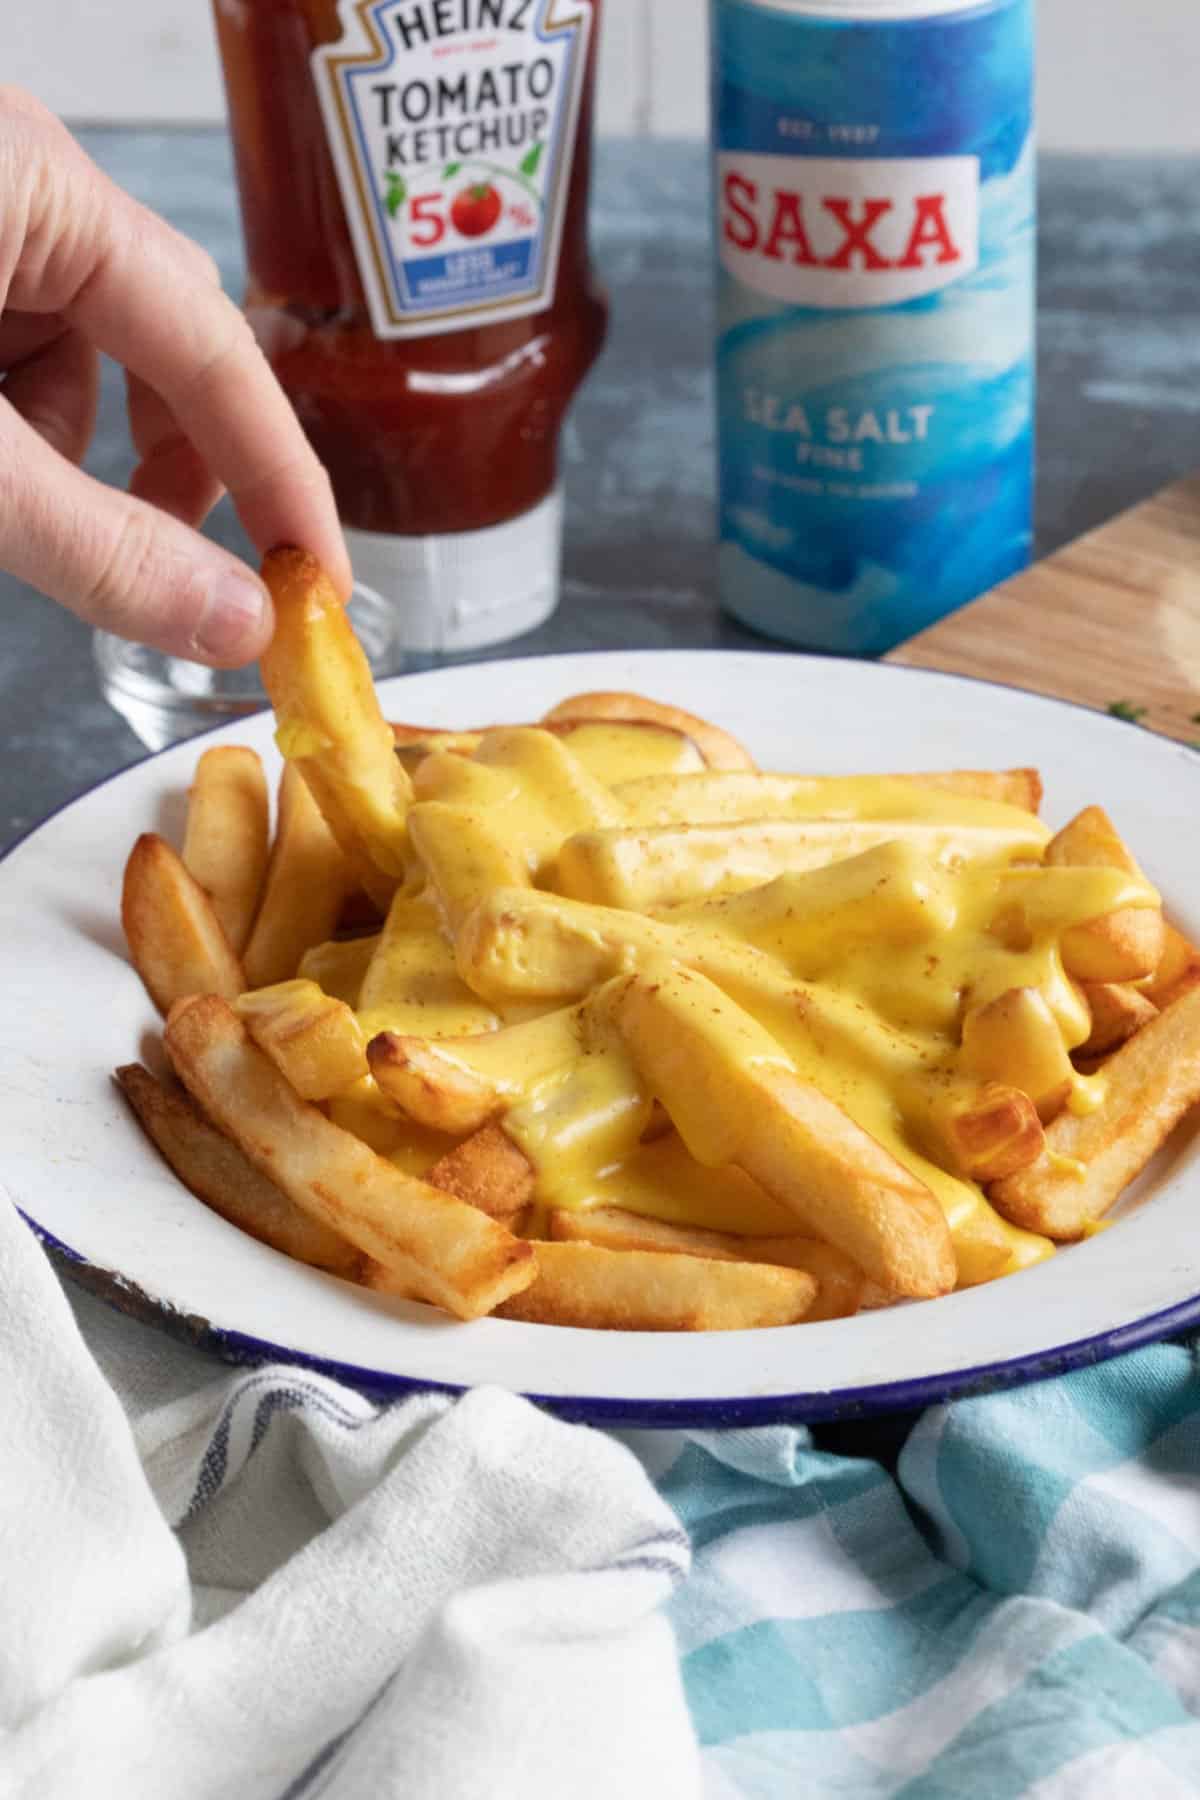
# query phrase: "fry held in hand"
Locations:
[[435, 1246], [330, 723]]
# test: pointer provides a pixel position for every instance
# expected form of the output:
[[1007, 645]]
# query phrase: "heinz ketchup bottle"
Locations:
[[414, 184]]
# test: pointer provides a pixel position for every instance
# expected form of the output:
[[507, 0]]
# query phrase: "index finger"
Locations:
[[139, 296]]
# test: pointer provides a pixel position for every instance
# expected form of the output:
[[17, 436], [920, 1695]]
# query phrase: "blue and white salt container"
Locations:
[[875, 216]]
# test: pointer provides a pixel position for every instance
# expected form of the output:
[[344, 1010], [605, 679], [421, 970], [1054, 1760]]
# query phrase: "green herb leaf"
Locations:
[[531, 159], [1125, 709], [450, 169], [396, 192]]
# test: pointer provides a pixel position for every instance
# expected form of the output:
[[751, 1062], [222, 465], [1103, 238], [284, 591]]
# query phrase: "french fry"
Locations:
[[1012, 787], [176, 943], [428, 1087], [981, 1132], [622, 750], [733, 1097], [1015, 1041], [1188, 982], [330, 723], [1119, 946], [888, 894], [839, 1281], [1118, 1010], [339, 965], [649, 1290], [718, 748], [424, 738], [448, 1253], [218, 1173], [725, 797], [308, 877], [464, 855], [413, 975], [1090, 1158], [487, 1171], [364, 1113], [1179, 956], [644, 867], [227, 839], [458, 1084], [314, 1041]]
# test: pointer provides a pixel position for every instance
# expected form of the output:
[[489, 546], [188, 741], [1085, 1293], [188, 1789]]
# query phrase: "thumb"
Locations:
[[120, 564]]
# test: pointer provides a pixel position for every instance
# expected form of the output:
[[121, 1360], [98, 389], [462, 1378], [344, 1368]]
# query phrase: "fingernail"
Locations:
[[232, 622]]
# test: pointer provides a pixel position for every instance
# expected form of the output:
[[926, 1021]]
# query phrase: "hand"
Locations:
[[85, 269]]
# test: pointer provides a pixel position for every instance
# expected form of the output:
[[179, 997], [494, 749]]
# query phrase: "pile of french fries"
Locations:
[[592, 1023]]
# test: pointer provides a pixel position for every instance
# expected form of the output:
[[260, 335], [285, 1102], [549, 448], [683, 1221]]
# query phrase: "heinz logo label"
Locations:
[[835, 232]]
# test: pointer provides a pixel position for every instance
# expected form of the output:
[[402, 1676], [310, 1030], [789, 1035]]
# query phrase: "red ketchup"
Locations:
[[414, 184]]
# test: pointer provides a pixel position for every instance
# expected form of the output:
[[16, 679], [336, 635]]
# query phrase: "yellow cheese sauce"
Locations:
[[856, 968]]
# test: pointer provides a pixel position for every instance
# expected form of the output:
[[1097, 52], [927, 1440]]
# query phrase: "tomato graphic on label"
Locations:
[[475, 209]]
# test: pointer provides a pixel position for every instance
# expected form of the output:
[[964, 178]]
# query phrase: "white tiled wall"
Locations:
[[1114, 74]]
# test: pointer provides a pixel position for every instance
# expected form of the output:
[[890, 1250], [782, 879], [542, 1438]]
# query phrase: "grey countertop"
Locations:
[[1118, 414]]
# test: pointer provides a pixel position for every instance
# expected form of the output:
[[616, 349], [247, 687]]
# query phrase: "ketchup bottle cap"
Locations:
[[461, 590]]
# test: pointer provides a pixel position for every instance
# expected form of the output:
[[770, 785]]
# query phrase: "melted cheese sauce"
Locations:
[[857, 972]]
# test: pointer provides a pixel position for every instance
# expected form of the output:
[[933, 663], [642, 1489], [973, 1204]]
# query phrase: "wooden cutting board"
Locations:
[[1113, 617]]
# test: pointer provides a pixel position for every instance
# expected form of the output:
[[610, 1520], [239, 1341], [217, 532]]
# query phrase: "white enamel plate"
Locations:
[[78, 1168]]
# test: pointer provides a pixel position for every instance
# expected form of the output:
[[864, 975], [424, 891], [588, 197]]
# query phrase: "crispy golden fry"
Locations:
[[1090, 1158], [428, 1087], [644, 867], [228, 836], [314, 1041], [308, 878], [727, 797], [717, 747], [983, 1132], [1015, 1040], [174, 938], [1117, 1010], [1122, 945], [448, 1253], [1179, 956], [458, 1084], [734, 1097], [650, 1290], [218, 1173], [487, 1171], [330, 723], [839, 1281], [339, 965]]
